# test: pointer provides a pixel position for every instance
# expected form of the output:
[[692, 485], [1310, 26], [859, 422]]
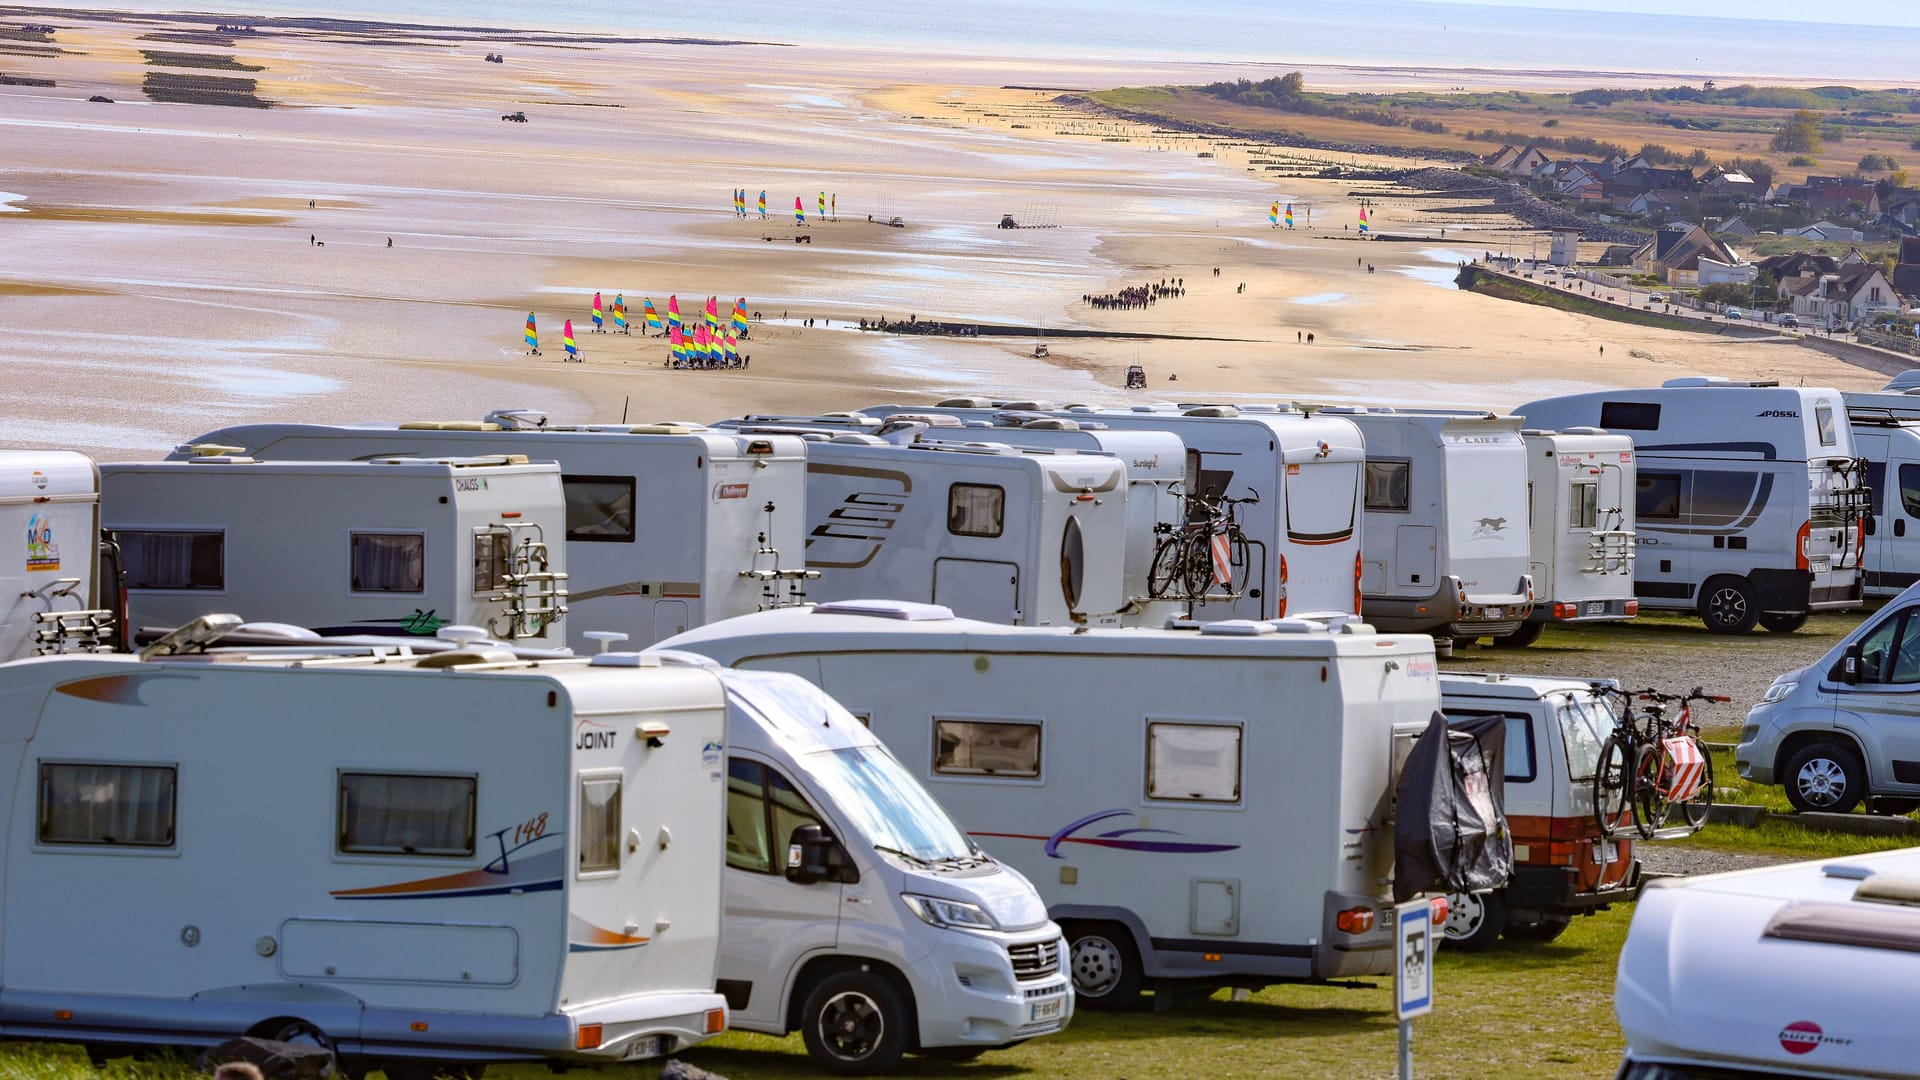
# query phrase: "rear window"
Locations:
[[599, 508], [1823, 417], [1388, 484], [1585, 724], [1630, 415], [1320, 500], [173, 559]]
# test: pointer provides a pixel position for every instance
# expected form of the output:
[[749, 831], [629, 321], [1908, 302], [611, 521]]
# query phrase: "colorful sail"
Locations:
[[732, 348], [620, 312], [836, 206], [533, 335], [763, 206], [652, 316], [679, 341], [596, 313], [823, 204], [1363, 221], [713, 314], [740, 316], [799, 212], [1289, 215], [1273, 215], [673, 313], [702, 342], [566, 338]]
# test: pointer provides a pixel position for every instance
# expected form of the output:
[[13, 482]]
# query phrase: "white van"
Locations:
[[63, 594], [422, 862], [1886, 432], [668, 525], [1580, 494], [1802, 970], [397, 546], [1136, 776], [1750, 500]]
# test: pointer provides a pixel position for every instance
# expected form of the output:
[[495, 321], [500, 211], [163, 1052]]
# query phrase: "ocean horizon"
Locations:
[[1254, 34]]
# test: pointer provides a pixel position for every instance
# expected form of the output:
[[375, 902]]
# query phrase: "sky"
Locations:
[[1858, 13]]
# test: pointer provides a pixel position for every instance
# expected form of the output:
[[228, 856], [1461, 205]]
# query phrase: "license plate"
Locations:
[[644, 1047], [1596, 607], [1820, 566], [1496, 613], [1046, 1010], [1606, 852]]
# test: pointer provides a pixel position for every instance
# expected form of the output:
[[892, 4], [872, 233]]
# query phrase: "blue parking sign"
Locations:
[[1413, 960]]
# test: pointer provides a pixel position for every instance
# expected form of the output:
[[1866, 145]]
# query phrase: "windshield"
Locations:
[[1585, 724]]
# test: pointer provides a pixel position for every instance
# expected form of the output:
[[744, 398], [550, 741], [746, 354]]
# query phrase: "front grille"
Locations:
[[1035, 960]]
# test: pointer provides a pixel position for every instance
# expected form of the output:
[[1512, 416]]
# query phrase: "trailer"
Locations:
[[1298, 479], [1886, 432], [63, 593], [423, 862], [667, 525], [1136, 775], [1751, 502], [1580, 529], [399, 546]]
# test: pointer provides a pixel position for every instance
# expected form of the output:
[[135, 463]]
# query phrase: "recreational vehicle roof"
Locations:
[[406, 466], [1498, 685], [1882, 409], [40, 475], [1709, 415], [245, 438]]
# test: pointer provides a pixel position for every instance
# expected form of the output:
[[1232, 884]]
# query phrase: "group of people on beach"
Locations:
[[1137, 296], [701, 363]]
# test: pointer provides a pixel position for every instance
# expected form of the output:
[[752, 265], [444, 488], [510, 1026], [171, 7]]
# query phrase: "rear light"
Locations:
[[1526, 580], [1356, 583], [1355, 920], [1633, 607], [1460, 591], [1283, 587], [1565, 611], [63, 1014], [1800, 546], [587, 1038], [417, 1026], [716, 1021], [1439, 909]]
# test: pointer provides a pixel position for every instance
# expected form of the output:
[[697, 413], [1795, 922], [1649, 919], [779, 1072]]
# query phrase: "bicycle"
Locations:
[[1192, 557], [1651, 764]]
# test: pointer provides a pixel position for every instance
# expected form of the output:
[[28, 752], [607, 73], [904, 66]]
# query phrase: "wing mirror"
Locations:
[[814, 855], [1850, 665]]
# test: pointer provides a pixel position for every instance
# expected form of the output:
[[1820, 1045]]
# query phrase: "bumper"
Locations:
[[966, 993], [1759, 746], [1442, 612], [1568, 611], [644, 1026], [1557, 889]]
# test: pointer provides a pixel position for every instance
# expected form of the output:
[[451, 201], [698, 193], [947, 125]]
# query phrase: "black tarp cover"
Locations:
[[1450, 828]]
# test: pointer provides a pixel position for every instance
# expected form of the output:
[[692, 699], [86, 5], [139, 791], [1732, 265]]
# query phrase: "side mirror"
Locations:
[[813, 855], [1850, 665]]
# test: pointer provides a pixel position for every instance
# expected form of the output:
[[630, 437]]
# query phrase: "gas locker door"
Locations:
[[977, 589]]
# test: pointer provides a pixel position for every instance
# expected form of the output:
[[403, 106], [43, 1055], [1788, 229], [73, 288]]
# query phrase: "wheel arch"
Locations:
[[1796, 741], [1068, 914], [820, 968]]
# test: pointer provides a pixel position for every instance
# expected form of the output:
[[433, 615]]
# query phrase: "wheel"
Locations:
[[1528, 633], [1781, 622], [1612, 785], [1895, 807], [1825, 776], [1105, 966], [1651, 765], [298, 1032], [1539, 933], [1727, 605], [1475, 920], [1196, 563], [855, 1024], [1165, 575], [1461, 642], [1699, 806]]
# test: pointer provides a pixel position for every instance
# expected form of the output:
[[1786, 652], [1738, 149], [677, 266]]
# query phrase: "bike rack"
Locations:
[[769, 577], [85, 630], [535, 596]]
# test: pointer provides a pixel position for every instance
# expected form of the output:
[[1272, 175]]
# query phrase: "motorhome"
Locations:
[[1135, 775], [397, 546], [424, 862], [63, 594], [667, 525], [1786, 971], [1580, 486], [1296, 478], [999, 533], [1886, 432], [1445, 543], [1750, 501], [1562, 865]]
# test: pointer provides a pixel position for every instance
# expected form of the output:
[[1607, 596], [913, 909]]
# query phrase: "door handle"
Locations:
[[1899, 526]]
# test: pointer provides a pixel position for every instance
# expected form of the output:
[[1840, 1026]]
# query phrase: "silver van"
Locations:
[[1847, 726]]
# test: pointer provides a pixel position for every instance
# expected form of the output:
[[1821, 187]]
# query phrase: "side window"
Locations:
[[1876, 649], [173, 559], [107, 805], [1193, 762], [1517, 755], [388, 562], [1629, 416], [747, 843], [788, 810], [599, 823], [1657, 496], [976, 510], [1904, 666], [1584, 508], [1823, 418], [599, 508], [1388, 484], [402, 814], [1910, 490], [492, 556], [1877, 485], [1722, 496], [976, 748]]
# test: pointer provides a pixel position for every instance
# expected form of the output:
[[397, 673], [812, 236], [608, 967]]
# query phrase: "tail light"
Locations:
[[1355, 920], [1460, 591], [1356, 583], [1439, 909], [1633, 607], [1800, 546], [1283, 587], [716, 1021], [587, 1037], [1527, 581], [1565, 611]]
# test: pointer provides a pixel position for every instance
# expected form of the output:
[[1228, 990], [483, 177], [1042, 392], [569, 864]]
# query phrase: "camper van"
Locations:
[[1886, 432], [1750, 498], [1802, 970], [423, 862], [62, 594], [1579, 529], [1136, 775], [1155, 463], [399, 546], [1297, 479], [998, 533], [1562, 865], [667, 525], [1445, 544]]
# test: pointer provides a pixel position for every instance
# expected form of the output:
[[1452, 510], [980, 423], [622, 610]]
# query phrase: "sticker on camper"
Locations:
[[1802, 1036], [39, 480], [1488, 527], [713, 756], [42, 552], [731, 491], [1293, 470], [470, 483]]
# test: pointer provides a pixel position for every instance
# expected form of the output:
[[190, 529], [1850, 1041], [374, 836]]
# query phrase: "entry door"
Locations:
[[1415, 557], [670, 617], [974, 589], [1900, 548]]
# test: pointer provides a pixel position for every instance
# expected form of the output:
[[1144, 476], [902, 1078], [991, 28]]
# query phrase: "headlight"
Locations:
[[957, 914], [1777, 692]]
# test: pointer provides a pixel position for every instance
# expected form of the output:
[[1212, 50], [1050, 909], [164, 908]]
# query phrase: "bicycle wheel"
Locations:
[[1651, 765], [1165, 577], [1197, 564], [1699, 806], [1612, 785]]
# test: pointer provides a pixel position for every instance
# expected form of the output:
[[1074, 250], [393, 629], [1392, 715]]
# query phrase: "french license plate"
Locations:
[[1496, 613], [1820, 566], [1606, 852], [1596, 607], [1046, 1010], [644, 1047]]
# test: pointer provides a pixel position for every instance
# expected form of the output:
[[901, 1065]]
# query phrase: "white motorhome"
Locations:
[[1580, 486], [1750, 498], [1886, 432], [668, 525], [1303, 532], [397, 546], [1800, 970], [999, 533], [58, 597], [1136, 775], [423, 862], [1445, 542]]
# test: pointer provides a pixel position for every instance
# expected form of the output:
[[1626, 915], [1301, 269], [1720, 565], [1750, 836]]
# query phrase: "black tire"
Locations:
[[1780, 622], [1612, 784], [1728, 606], [855, 1023], [1105, 966], [1461, 641], [1892, 806], [1474, 920], [1651, 806], [1527, 634], [1825, 777], [1699, 807], [1165, 576], [1539, 933], [1196, 564]]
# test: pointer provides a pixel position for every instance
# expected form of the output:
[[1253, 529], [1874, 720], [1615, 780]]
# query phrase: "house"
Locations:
[[1730, 182], [1675, 253], [1711, 271], [1662, 203], [1827, 231], [1849, 296], [1733, 227], [1617, 255], [1630, 180], [1799, 264], [1501, 158], [1901, 211], [1526, 163], [1906, 274], [1841, 196]]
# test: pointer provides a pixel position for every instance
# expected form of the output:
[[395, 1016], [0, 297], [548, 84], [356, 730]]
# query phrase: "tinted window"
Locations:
[[748, 844], [387, 814], [492, 560], [1657, 496], [1823, 416], [1388, 484], [106, 805], [1910, 489], [1722, 495], [1630, 415], [169, 559], [976, 510], [387, 562], [599, 508]]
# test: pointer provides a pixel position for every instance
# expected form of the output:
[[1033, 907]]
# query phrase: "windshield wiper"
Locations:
[[907, 855]]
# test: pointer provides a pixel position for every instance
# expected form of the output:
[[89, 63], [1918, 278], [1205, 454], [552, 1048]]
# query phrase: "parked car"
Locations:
[[1791, 320], [1656, 298], [1734, 313]]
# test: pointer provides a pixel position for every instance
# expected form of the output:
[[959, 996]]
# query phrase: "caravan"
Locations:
[[397, 546], [63, 592], [1886, 432], [1580, 529], [1136, 775], [667, 525], [1751, 502]]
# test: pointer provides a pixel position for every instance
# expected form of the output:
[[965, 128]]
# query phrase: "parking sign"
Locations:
[[1413, 962]]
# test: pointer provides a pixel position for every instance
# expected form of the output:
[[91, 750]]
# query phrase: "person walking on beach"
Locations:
[[389, 241], [1309, 339], [1297, 338], [309, 239]]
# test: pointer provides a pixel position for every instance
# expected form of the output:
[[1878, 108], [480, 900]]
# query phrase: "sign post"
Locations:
[[1412, 973]]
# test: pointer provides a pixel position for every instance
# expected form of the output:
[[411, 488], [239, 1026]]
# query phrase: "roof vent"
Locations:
[[854, 439], [470, 648], [214, 450], [1051, 423], [1026, 406], [1580, 431], [517, 419], [449, 425], [904, 610], [221, 459], [966, 403], [1212, 410], [1237, 628]]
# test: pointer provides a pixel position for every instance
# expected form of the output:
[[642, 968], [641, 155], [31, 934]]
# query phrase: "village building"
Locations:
[[1679, 253], [1847, 297]]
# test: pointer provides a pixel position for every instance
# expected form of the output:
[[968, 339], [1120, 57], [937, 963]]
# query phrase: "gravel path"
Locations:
[[1692, 859]]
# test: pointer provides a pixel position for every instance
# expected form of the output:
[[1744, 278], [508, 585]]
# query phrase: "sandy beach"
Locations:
[[174, 267]]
